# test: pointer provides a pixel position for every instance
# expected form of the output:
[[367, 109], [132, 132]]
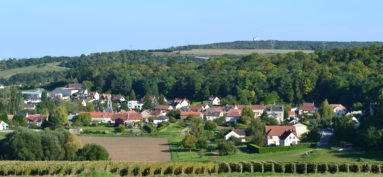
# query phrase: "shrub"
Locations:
[[311, 168], [279, 168], [157, 171], [178, 171], [322, 168], [301, 168], [224, 168], [290, 168], [332, 168], [257, 167], [189, 170], [343, 168], [123, 172], [355, 168], [168, 171], [226, 148], [200, 170], [93, 152], [258, 149], [375, 168], [365, 168], [136, 171], [268, 167], [146, 172], [235, 167], [246, 167]]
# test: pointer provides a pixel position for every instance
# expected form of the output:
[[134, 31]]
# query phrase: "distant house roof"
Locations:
[[197, 108], [36, 117], [274, 108], [117, 98], [213, 113], [337, 105], [240, 132], [163, 107], [99, 114], [279, 130], [161, 118], [307, 107], [213, 98], [131, 115], [191, 113], [292, 113], [234, 113]]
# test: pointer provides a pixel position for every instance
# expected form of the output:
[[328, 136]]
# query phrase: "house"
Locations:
[[212, 115], [160, 119], [30, 106], [257, 109], [238, 133], [100, 117], [118, 99], [275, 111], [94, 95], [198, 108], [36, 119], [179, 103], [307, 108], [53, 95], [339, 109], [3, 125], [128, 117], [66, 92], [32, 96], [106, 96], [300, 129], [233, 115], [281, 135], [214, 101], [75, 130], [135, 105], [164, 107], [184, 115], [152, 113]]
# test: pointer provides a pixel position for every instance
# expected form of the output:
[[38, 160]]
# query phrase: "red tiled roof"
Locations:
[[99, 114], [127, 116], [197, 108], [292, 113], [337, 105], [307, 107], [191, 113], [234, 113], [33, 117], [278, 130], [163, 107]]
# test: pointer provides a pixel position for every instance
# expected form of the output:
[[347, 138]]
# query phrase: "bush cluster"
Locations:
[[258, 149]]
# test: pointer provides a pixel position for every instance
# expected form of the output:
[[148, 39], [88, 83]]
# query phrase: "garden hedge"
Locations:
[[258, 149], [120, 168]]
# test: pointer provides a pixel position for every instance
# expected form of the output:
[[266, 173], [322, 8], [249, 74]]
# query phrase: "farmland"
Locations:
[[133, 149], [32, 69]]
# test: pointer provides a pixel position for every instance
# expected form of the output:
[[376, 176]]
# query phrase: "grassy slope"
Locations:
[[31, 69]]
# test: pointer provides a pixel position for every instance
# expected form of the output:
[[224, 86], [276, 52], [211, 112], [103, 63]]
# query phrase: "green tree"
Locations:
[[247, 115], [19, 120], [132, 95], [210, 125], [121, 128], [189, 142], [83, 119], [71, 146], [88, 84], [93, 152], [57, 119], [326, 114], [161, 100], [268, 120], [226, 148]]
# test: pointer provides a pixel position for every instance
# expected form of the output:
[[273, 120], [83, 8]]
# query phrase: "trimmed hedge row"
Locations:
[[17, 168], [258, 149]]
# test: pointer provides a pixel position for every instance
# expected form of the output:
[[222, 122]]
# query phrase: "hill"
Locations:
[[275, 44], [32, 69]]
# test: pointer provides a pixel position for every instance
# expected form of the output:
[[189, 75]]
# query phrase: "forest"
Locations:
[[276, 44]]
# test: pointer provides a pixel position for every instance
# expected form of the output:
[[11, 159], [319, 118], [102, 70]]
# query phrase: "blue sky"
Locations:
[[35, 28]]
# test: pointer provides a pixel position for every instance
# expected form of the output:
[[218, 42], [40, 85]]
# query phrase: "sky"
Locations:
[[73, 27]]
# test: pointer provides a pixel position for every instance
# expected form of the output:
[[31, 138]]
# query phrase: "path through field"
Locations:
[[132, 149]]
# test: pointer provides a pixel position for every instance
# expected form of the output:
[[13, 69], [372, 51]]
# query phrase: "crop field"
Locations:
[[218, 52], [132, 149], [32, 69]]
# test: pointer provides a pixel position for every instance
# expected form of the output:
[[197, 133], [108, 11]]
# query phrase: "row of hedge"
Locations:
[[258, 149], [17, 168]]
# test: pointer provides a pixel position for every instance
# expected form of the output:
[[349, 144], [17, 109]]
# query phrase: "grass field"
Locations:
[[32, 69], [218, 52]]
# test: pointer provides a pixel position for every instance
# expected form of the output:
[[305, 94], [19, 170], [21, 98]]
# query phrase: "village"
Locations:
[[109, 110]]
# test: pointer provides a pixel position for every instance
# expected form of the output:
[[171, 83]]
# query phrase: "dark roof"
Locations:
[[213, 113], [285, 134], [274, 108], [240, 132]]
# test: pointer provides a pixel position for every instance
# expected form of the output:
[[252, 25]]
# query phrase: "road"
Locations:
[[325, 137]]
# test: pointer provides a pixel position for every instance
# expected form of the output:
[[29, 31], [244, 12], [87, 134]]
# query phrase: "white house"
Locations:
[[214, 101], [135, 105], [238, 133], [275, 111], [66, 92], [233, 115], [160, 119], [212, 115], [179, 103], [100, 117], [281, 135], [3, 125], [94, 95], [339, 109], [300, 129], [32, 96]]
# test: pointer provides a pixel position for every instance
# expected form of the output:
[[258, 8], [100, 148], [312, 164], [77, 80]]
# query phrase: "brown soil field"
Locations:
[[132, 149]]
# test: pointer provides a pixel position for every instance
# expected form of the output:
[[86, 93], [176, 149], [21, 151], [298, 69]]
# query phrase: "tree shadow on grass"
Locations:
[[359, 155]]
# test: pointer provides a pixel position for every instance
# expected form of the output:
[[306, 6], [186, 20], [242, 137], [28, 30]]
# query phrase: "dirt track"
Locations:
[[132, 149]]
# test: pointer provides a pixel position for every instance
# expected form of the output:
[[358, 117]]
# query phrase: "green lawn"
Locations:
[[32, 69]]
